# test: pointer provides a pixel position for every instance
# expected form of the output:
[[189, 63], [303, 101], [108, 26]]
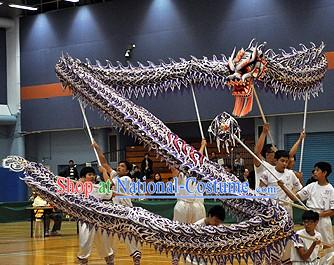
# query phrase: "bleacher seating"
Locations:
[[135, 155]]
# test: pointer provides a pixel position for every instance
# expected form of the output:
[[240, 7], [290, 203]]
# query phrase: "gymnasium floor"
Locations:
[[17, 248]]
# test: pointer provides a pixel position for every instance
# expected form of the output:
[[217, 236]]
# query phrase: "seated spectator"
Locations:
[[239, 164], [228, 168], [213, 157], [221, 161], [239, 160], [244, 176], [147, 167], [157, 177], [136, 174], [57, 217], [53, 214]]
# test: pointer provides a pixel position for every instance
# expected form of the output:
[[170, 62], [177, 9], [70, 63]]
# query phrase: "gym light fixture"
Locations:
[[23, 7]]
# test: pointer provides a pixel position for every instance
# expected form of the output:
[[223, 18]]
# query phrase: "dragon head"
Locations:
[[244, 67]]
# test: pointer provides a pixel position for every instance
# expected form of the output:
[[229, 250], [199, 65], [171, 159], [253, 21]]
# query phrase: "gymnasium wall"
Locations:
[[3, 72], [12, 188], [293, 123], [4, 141], [162, 29], [58, 147]]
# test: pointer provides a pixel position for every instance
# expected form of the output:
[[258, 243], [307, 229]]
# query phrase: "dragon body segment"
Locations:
[[298, 73], [265, 226]]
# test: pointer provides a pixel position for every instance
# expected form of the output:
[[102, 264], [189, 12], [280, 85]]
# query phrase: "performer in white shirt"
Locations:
[[320, 198], [88, 234], [121, 174], [216, 217], [306, 250]]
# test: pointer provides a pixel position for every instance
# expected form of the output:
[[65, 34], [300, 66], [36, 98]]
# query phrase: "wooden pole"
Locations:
[[199, 119], [262, 115], [304, 128], [89, 131]]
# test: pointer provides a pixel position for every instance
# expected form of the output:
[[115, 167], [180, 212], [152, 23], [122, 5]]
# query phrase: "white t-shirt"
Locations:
[[260, 170], [98, 195], [318, 197], [126, 180], [288, 177], [39, 202], [306, 244], [191, 186]]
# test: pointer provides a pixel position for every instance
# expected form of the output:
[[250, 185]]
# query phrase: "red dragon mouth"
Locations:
[[246, 66], [243, 93]]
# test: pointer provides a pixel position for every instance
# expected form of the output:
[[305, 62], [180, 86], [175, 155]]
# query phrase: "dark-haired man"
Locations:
[[282, 173], [122, 174], [70, 172], [216, 217]]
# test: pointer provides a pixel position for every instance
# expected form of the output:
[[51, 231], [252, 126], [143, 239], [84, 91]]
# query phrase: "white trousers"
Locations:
[[104, 243], [131, 246], [325, 228], [188, 212], [86, 238], [328, 259], [286, 255]]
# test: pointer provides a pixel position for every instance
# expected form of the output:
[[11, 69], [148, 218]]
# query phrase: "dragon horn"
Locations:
[[250, 44], [230, 60], [254, 53]]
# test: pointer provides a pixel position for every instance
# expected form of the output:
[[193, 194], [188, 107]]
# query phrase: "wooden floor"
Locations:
[[17, 248]]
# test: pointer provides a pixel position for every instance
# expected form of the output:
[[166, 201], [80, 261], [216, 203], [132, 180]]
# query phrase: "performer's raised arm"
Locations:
[[104, 173], [294, 148], [104, 162], [293, 152], [260, 143], [203, 145]]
